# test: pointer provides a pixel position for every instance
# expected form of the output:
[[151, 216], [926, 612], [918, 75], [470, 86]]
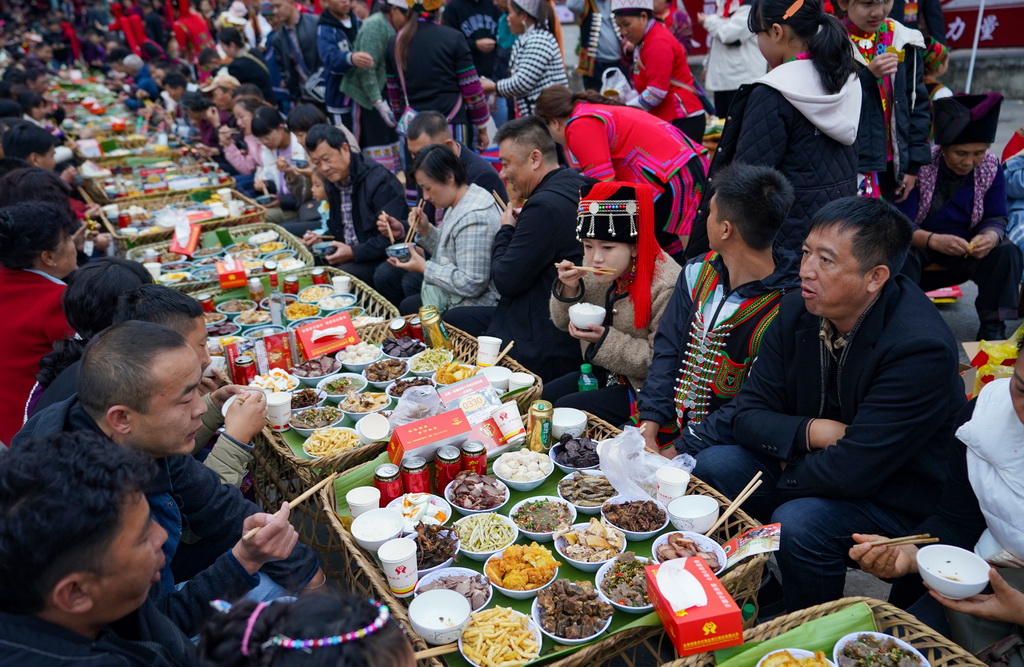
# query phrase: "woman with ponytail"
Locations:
[[611, 142], [800, 118], [318, 630], [615, 222]]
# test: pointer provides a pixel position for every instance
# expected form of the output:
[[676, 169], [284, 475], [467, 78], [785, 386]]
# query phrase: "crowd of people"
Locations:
[[764, 292]]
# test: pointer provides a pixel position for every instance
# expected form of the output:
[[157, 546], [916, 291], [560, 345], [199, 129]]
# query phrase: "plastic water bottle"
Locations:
[[587, 381]]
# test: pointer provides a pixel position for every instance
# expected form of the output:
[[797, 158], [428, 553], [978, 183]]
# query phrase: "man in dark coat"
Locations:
[[294, 46], [526, 248], [358, 189], [849, 409]]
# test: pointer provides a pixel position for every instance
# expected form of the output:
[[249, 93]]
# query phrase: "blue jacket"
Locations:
[[334, 44], [1013, 170]]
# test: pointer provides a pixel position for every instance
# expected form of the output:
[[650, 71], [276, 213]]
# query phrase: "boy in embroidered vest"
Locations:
[[713, 325]]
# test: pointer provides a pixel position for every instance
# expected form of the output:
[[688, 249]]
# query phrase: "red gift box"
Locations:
[[231, 273], [425, 436], [346, 335]]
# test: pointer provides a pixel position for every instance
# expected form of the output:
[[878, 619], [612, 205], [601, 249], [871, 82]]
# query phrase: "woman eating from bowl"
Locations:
[[459, 270], [278, 175], [36, 254], [632, 279]]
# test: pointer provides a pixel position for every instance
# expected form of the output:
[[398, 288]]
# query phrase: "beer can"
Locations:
[[206, 301], [474, 457], [291, 284], [398, 327], [415, 328], [415, 475], [447, 464], [434, 333], [245, 369], [539, 426], [388, 480], [319, 276]]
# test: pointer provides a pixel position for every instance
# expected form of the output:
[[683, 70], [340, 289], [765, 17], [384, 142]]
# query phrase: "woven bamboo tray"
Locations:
[[94, 191], [239, 233], [938, 650], [123, 241]]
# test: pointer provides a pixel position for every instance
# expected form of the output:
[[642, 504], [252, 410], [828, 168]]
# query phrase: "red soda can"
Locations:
[[319, 276], [206, 301], [124, 220], [474, 457], [245, 369], [388, 480], [291, 284], [447, 464], [415, 475], [415, 328], [398, 327]]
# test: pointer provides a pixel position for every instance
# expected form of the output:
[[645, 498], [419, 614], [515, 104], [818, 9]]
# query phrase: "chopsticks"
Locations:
[[747, 491], [306, 494], [601, 271], [387, 224], [503, 353], [412, 224], [923, 538], [436, 651], [501, 203]]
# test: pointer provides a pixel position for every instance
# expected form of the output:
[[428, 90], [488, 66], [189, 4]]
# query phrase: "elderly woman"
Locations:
[[36, 253], [959, 211], [633, 285]]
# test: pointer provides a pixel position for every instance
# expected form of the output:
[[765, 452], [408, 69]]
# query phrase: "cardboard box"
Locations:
[[698, 629], [425, 436], [475, 396], [344, 335]]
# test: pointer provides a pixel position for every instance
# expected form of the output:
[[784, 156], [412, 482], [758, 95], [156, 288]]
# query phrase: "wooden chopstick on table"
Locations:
[[503, 352], [747, 491], [306, 494], [923, 538], [436, 651]]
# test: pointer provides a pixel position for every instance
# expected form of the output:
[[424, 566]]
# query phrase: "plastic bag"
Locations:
[[995, 360], [415, 404], [615, 85], [631, 468]]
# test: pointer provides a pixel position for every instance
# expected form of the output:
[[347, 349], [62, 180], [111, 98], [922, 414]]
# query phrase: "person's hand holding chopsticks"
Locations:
[[390, 226], [569, 276], [274, 540], [883, 561]]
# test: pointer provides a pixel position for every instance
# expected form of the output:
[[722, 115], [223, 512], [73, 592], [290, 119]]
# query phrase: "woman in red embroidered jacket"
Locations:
[[661, 74], [611, 142]]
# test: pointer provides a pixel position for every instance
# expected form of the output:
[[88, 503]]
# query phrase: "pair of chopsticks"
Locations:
[[923, 538], [412, 224], [601, 271], [436, 651], [306, 494], [503, 352], [501, 202], [747, 491]]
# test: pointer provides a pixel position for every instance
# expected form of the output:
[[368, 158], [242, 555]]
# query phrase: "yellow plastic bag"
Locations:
[[995, 360]]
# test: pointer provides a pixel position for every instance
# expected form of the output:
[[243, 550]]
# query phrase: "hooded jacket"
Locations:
[[788, 120], [334, 43]]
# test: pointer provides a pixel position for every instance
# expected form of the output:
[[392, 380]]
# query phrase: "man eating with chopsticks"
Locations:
[[139, 386], [848, 411]]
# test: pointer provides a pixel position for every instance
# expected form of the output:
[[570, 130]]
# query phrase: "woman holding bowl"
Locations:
[[632, 279]]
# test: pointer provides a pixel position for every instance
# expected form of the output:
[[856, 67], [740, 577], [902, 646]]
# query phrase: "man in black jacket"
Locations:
[[849, 409], [79, 553], [294, 46], [358, 189], [139, 386], [246, 65], [526, 248]]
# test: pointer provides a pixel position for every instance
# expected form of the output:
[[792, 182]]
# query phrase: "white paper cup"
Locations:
[[488, 350], [279, 409], [672, 483], [362, 499], [520, 381], [342, 284], [398, 558], [498, 376], [235, 208], [153, 268], [510, 422], [111, 211], [225, 195]]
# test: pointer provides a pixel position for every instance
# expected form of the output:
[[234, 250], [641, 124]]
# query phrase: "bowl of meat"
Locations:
[[586, 491], [639, 519], [311, 372], [474, 586], [588, 546], [875, 648], [571, 612], [681, 544], [470, 493]]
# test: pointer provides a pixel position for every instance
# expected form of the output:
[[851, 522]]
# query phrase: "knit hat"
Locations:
[[966, 119], [619, 5], [531, 7], [623, 212]]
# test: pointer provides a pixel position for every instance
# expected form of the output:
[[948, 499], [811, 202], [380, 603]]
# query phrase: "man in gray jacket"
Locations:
[[294, 44]]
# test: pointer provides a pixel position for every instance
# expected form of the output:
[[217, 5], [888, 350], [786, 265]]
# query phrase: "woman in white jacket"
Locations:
[[733, 57], [277, 174]]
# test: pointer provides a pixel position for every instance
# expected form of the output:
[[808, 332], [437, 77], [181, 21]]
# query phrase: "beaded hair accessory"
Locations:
[[610, 208], [306, 644]]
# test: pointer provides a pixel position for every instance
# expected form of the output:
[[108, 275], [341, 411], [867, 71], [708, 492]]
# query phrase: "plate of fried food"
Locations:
[[452, 372], [331, 441], [500, 637], [795, 657], [521, 571]]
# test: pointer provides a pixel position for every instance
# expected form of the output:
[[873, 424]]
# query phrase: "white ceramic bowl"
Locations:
[[704, 541], [314, 380], [439, 616], [634, 535], [498, 376], [556, 448], [795, 652], [337, 398], [693, 513], [580, 509], [599, 577], [467, 512], [518, 595], [482, 556], [358, 368], [521, 486], [542, 537], [535, 613], [952, 572], [399, 502], [356, 416], [370, 527], [537, 636], [838, 648], [306, 432], [340, 428], [568, 420], [437, 573], [579, 564], [426, 373], [382, 385], [584, 320]]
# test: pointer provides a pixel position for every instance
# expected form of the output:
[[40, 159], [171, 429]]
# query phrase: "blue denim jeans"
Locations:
[[815, 531]]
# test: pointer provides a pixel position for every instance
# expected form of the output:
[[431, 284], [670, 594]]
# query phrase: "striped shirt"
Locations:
[[536, 63]]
